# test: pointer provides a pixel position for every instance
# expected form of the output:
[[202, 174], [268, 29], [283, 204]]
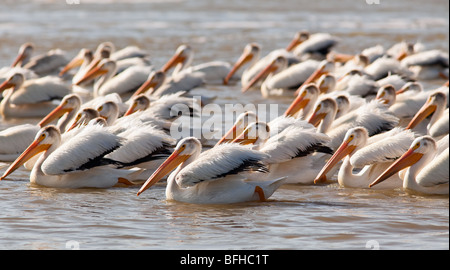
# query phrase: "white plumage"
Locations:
[[224, 174], [218, 163], [73, 155]]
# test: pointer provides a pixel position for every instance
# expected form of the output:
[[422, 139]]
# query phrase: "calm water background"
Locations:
[[296, 217]]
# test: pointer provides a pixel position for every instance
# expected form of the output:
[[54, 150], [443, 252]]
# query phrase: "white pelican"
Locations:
[[180, 82], [124, 53], [324, 113], [168, 107], [374, 116], [123, 83], [109, 110], [82, 118], [154, 81], [224, 175], [241, 123], [249, 58], [357, 83], [255, 64], [434, 106], [281, 80], [30, 98], [77, 163], [81, 60], [428, 171], [213, 72], [303, 104], [317, 46], [14, 140], [384, 66], [291, 151], [45, 64], [428, 65], [372, 155], [143, 146]]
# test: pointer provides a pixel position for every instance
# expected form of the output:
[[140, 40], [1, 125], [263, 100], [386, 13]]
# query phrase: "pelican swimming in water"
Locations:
[[295, 151], [427, 170], [31, 98], [123, 83], [44, 64], [370, 154], [227, 174], [76, 163], [14, 140]]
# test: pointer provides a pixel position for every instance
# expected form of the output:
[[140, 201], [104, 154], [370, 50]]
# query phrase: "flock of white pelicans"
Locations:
[[363, 119]]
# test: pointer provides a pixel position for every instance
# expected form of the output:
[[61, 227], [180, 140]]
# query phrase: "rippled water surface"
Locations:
[[295, 217]]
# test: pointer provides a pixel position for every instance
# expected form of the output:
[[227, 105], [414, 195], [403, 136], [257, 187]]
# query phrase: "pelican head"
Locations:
[[307, 95], [105, 66], [410, 86], [14, 81], [298, 39], [25, 52], [255, 133], [242, 121], [83, 117], [68, 104], [343, 105], [44, 139], [325, 107], [185, 149], [277, 65], [139, 103], [354, 138], [183, 56], [325, 67], [434, 105], [326, 83], [104, 50], [420, 146], [153, 82], [109, 110], [84, 56], [386, 95], [250, 53]]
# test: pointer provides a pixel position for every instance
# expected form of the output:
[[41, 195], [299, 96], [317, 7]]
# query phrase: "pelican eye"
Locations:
[[100, 108]]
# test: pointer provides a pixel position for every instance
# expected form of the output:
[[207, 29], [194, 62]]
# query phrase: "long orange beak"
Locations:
[[315, 118], [406, 160], [314, 76], [426, 110], [18, 59], [6, 85], [131, 109], [343, 150], [342, 58], [229, 136], [35, 148], [243, 59], [261, 75], [150, 84], [176, 59], [245, 139], [59, 111], [299, 103], [402, 55], [166, 167], [75, 62], [92, 74]]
